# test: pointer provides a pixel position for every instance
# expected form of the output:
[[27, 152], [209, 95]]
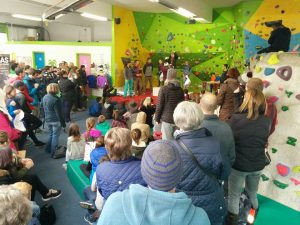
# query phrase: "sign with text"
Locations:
[[4, 67]]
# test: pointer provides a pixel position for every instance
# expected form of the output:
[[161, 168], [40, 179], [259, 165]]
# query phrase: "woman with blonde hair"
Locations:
[[251, 128], [149, 109], [53, 116]]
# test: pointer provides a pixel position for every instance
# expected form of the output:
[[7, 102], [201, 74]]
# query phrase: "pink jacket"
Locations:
[[13, 134]]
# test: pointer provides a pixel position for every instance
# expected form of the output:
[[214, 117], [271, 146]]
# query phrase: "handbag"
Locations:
[[191, 155], [267, 158], [60, 152], [47, 215]]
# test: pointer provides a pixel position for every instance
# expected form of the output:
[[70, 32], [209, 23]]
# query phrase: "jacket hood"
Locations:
[[142, 206], [141, 117], [232, 83], [199, 133]]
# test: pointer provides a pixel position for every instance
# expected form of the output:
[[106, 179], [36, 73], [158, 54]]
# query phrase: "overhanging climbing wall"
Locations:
[[281, 75]]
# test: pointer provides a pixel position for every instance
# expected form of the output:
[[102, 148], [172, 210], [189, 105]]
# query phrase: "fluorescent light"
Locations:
[[184, 12], [26, 17], [154, 0], [199, 19], [95, 17], [59, 15]]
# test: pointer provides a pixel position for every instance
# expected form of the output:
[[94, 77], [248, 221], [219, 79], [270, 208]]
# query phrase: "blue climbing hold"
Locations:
[[269, 71]]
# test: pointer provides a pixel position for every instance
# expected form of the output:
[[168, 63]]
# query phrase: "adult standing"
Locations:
[[168, 98], [173, 59], [128, 75], [250, 121], [198, 144], [148, 70], [224, 73], [226, 96], [53, 116], [67, 89]]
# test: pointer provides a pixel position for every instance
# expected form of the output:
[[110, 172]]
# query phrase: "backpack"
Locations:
[[47, 215], [60, 152]]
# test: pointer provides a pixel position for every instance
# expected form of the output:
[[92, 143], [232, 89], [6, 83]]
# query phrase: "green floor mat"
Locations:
[[274, 213]]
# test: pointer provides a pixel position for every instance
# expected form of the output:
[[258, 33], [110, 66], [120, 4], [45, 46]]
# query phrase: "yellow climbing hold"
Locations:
[[261, 58], [258, 69], [296, 169], [273, 60], [298, 193]]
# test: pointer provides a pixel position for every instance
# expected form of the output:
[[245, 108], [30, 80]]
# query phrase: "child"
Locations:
[[128, 75], [118, 120], [96, 107], [138, 146], [97, 154], [75, 144], [160, 70], [107, 109], [91, 133], [148, 70], [103, 125], [11, 104], [149, 110], [186, 72], [137, 78]]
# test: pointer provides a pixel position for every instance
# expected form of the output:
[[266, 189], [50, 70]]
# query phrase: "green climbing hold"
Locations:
[[289, 93], [274, 150], [285, 108], [292, 139], [280, 184], [264, 177]]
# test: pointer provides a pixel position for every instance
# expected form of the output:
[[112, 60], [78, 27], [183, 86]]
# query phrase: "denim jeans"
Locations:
[[35, 209], [236, 182], [67, 107], [54, 129], [167, 130]]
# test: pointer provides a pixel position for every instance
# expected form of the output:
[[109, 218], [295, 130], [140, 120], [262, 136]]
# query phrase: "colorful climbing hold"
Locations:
[[285, 73], [273, 60], [264, 177], [280, 184], [269, 71], [272, 99], [298, 193], [296, 169], [284, 108], [266, 83], [282, 169], [288, 93], [298, 97], [274, 150], [258, 69], [296, 182]]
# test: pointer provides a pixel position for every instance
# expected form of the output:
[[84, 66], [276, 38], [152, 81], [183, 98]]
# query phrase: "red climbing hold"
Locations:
[[266, 83], [284, 72], [283, 170], [272, 99], [296, 182], [298, 97]]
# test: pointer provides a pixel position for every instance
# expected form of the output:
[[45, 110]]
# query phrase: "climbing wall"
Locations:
[[281, 179]]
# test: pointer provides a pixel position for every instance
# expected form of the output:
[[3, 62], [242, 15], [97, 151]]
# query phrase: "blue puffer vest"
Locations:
[[204, 191]]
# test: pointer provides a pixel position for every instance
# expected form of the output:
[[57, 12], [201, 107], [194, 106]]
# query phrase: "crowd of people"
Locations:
[[176, 162]]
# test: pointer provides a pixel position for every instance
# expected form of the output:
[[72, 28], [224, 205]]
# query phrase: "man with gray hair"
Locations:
[[218, 128]]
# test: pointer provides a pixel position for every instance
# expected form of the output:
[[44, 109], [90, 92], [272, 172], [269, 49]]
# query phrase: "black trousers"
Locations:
[[31, 123], [67, 106], [36, 184]]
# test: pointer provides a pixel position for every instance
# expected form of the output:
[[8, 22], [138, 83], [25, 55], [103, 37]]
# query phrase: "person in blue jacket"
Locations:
[[96, 107], [159, 203]]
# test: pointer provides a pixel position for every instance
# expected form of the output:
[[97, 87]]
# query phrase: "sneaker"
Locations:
[[87, 205], [90, 219], [39, 143], [64, 166], [52, 194]]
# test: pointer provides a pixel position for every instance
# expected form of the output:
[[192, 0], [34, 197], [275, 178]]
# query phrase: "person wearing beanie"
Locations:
[[204, 190], [159, 203], [168, 98]]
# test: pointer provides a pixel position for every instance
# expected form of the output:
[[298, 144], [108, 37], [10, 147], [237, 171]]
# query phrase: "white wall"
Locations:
[[99, 54], [102, 31]]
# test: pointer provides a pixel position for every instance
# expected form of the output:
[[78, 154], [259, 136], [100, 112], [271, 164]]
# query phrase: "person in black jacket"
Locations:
[[251, 128], [67, 89], [280, 38]]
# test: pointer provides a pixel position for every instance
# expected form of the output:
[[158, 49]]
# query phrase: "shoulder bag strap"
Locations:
[[192, 156]]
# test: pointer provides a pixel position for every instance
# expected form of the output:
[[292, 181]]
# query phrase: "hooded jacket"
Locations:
[[143, 206], [141, 124], [33, 92], [226, 98]]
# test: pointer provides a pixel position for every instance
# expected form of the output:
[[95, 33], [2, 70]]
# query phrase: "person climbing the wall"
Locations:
[[280, 37]]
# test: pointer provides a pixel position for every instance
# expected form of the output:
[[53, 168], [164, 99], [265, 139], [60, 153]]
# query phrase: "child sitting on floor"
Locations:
[[91, 133], [118, 120], [103, 125], [138, 146], [97, 154], [96, 107], [75, 144]]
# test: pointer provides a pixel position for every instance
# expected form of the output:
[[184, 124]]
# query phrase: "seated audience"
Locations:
[[18, 171], [96, 107], [138, 145], [159, 203], [107, 109], [97, 154], [15, 208], [141, 124], [91, 132], [131, 114], [250, 155], [205, 190], [102, 125], [118, 120], [149, 110], [225, 98], [75, 144]]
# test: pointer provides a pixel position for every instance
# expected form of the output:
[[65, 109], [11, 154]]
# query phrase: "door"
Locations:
[[38, 60], [84, 59]]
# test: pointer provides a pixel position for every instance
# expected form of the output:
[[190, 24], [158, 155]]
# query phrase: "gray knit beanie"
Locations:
[[161, 165]]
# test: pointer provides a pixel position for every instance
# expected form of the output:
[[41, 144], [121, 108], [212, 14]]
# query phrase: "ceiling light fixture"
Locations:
[[154, 1], [95, 17], [26, 17], [184, 12]]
